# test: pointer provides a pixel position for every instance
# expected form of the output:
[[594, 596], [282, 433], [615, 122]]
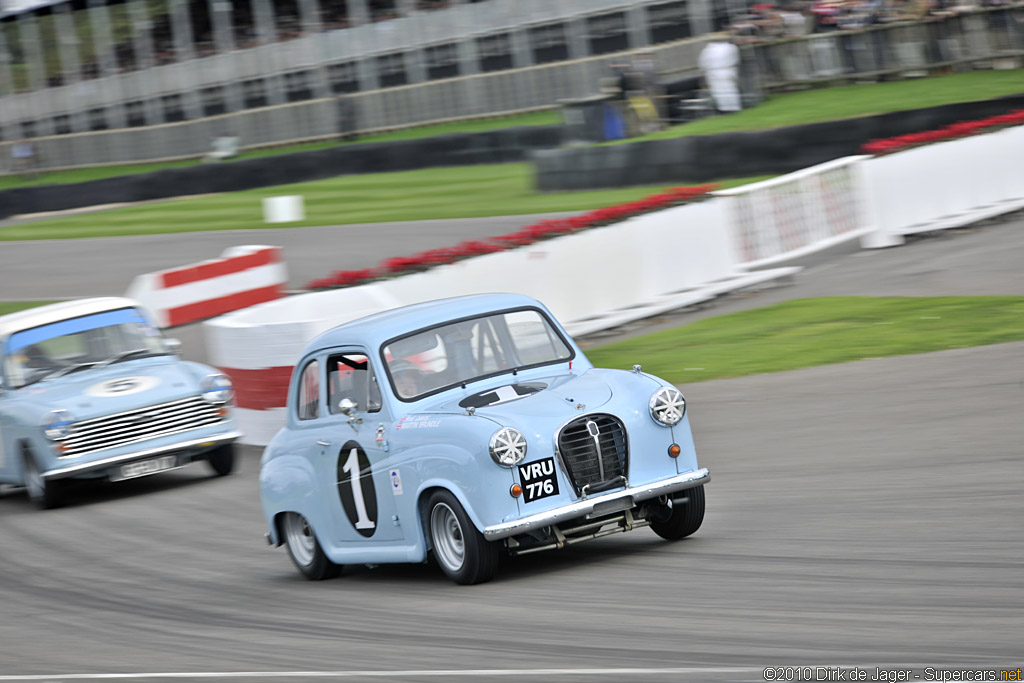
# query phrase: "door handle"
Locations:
[[321, 442]]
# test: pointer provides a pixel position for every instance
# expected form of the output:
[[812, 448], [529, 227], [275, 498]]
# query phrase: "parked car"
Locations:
[[470, 428], [90, 389]]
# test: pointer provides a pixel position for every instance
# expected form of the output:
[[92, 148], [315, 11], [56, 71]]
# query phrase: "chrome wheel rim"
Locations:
[[300, 539], [34, 485], [449, 545]]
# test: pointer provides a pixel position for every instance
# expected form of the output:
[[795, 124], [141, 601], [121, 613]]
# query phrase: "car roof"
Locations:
[[51, 313], [373, 330]]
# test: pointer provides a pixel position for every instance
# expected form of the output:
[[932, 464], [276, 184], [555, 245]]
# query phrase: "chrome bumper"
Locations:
[[585, 507], [104, 463]]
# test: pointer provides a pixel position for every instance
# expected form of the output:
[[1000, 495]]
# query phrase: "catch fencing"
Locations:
[[977, 38]]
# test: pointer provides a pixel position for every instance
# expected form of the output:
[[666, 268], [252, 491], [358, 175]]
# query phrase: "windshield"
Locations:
[[471, 349], [69, 345]]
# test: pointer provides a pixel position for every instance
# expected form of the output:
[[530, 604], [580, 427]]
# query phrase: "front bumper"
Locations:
[[585, 507], [106, 463]]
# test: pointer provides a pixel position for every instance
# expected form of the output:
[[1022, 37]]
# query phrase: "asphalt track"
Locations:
[[865, 514]]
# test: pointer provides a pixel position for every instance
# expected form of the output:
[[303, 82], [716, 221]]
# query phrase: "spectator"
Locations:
[[720, 62]]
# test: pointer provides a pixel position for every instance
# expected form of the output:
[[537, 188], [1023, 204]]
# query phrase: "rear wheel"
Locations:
[[684, 519], [47, 494], [461, 551], [305, 550], [222, 459]]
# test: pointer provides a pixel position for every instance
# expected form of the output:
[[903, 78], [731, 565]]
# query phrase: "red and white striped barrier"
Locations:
[[260, 363], [243, 276]]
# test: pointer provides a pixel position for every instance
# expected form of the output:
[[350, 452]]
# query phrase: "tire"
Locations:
[[685, 518], [47, 494], [305, 550], [461, 551], [222, 459]]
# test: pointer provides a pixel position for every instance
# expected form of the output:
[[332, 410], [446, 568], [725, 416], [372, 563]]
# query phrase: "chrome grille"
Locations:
[[112, 431], [595, 452]]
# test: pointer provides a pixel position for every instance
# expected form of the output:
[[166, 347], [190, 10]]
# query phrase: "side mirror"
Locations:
[[173, 345], [347, 406]]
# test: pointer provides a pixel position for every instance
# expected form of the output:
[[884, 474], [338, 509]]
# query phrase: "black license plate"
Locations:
[[539, 479]]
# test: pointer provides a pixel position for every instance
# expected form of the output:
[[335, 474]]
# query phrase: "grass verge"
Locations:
[[850, 101], [15, 306], [805, 333], [437, 193], [808, 332]]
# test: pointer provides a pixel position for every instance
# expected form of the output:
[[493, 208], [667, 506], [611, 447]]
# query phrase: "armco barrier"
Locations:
[[243, 276]]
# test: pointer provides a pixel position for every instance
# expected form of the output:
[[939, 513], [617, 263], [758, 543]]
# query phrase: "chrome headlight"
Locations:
[[217, 389], [508, 447], [667, 406], [57, 425]]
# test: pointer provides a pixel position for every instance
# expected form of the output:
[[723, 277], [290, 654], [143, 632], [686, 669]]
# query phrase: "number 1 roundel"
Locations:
[[355, 487]]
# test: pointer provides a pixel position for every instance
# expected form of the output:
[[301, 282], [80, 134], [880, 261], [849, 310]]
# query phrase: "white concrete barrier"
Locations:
[[944, 185], [243, 276]]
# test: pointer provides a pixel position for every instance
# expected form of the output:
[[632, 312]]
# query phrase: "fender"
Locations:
[[288, 484]]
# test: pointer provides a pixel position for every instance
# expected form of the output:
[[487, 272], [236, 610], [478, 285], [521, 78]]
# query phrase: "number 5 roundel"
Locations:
[[355, 487]]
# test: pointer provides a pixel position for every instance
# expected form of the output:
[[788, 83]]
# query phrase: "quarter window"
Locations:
[[309, 392]]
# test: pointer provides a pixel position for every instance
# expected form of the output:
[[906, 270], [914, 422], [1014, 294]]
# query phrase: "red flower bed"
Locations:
[[528, 235], [956, 130]]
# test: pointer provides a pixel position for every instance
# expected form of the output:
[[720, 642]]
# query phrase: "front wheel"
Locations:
[[47, 494], [222, 459], [462, 552], [305, 550], [684, 519]]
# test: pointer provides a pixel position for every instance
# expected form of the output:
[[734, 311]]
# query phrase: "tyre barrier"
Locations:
[[243, 276]]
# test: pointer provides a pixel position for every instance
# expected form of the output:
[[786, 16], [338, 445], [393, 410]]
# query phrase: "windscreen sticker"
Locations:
[[417, 422], [122, 386], [539, 479]]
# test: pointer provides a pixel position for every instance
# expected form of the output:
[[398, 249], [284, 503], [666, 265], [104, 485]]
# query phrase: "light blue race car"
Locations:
[[470, 428], [90, 389]]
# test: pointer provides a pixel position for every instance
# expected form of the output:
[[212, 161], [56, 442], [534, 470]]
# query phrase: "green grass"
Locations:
[[809, 332], [850, 101], [15, 306], [80, 175], [439, 193], [805, 333]]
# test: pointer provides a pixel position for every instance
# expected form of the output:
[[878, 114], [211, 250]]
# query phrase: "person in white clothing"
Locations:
[[720, 62]]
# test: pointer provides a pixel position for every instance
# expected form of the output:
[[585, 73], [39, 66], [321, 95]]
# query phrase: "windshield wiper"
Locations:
[[123, 355], [69, 369]]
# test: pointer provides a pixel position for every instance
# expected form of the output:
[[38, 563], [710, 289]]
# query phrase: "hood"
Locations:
[[118, 387], [544, 397]]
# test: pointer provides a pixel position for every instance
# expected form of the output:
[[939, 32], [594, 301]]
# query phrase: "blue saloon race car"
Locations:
[[470, 428], [90, 389]]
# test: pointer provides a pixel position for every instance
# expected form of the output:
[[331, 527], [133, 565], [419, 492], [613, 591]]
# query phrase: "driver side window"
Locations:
[[351, 376]]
